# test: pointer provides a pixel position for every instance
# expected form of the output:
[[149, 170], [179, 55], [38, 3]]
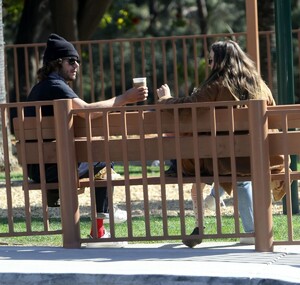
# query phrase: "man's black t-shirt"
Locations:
[[52, 88]]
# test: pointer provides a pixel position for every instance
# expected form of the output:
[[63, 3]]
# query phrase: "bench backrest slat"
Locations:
[[133, 149], [150, 122], [29, 124], [286, 120], [32, 157]]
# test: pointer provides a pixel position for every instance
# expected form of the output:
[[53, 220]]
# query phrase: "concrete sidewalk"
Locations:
[[145, 264]]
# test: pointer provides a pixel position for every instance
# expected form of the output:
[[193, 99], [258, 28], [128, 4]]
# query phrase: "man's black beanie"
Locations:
[[58, 47]]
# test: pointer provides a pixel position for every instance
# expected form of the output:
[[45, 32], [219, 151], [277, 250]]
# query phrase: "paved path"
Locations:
[[150, 264]]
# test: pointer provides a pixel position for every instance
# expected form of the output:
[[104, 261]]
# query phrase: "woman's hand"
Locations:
[[163, 91]]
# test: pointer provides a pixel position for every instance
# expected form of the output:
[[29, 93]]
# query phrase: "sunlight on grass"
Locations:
[[13, 175], [36, 226], [136, 170], [139, 229]]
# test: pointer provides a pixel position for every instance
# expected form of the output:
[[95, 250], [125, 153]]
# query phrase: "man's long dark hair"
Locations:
[[48, 68]]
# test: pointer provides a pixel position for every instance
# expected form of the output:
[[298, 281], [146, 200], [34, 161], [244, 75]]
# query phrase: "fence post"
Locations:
[[67, 173], [260, 168]]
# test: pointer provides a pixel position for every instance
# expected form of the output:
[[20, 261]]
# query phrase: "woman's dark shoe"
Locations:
[[53, 198], [193, 242]]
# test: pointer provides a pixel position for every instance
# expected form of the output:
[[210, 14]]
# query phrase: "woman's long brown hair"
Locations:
[[235, 69]]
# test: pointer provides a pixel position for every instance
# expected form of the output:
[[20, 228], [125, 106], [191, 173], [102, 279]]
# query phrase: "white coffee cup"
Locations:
[[139, 81]]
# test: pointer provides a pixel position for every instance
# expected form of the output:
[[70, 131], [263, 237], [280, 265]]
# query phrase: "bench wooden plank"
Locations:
[[117, 121], [168, 150], [85, 182], [32, 156], [30, 128], [294, 175], [280, 142], [279, 115]]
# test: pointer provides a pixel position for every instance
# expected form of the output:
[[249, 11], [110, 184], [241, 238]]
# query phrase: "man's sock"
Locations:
[[100, 228]]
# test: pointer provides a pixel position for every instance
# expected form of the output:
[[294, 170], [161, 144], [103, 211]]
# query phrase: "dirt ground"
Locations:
[[136, 196]]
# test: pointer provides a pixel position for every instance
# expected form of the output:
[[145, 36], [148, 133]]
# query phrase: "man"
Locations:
[[60, 66]]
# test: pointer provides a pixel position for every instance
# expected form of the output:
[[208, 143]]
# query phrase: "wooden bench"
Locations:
[[139, 136], [146, 133], [133, 136]]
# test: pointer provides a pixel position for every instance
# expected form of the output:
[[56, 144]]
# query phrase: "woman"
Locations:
[[233, 77]]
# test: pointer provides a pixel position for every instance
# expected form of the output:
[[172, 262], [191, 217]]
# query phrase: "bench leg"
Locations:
[[260, 168], [67, 170]]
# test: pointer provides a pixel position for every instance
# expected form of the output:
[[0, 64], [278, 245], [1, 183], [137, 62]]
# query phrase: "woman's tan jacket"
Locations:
[[217, 92]]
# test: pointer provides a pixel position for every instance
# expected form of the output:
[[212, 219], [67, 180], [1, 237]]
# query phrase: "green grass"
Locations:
[[14, 176], [280, 222], [137, 170], [280, 229]]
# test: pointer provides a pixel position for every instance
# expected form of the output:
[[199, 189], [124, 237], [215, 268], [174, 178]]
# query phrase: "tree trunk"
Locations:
[[266, 20], [2, 83], [2, 65], [64, 18], [13, 160], [202, 12], [88, 17]]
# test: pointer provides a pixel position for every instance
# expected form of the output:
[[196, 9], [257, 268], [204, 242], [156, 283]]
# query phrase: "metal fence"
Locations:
[[24, 210], [108, 66]]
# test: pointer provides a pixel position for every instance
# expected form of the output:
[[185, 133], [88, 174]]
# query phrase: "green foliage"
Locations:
[[163, 18], [226, 16], [123, 19], [295, 9], [160, 18], [12, 11]]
